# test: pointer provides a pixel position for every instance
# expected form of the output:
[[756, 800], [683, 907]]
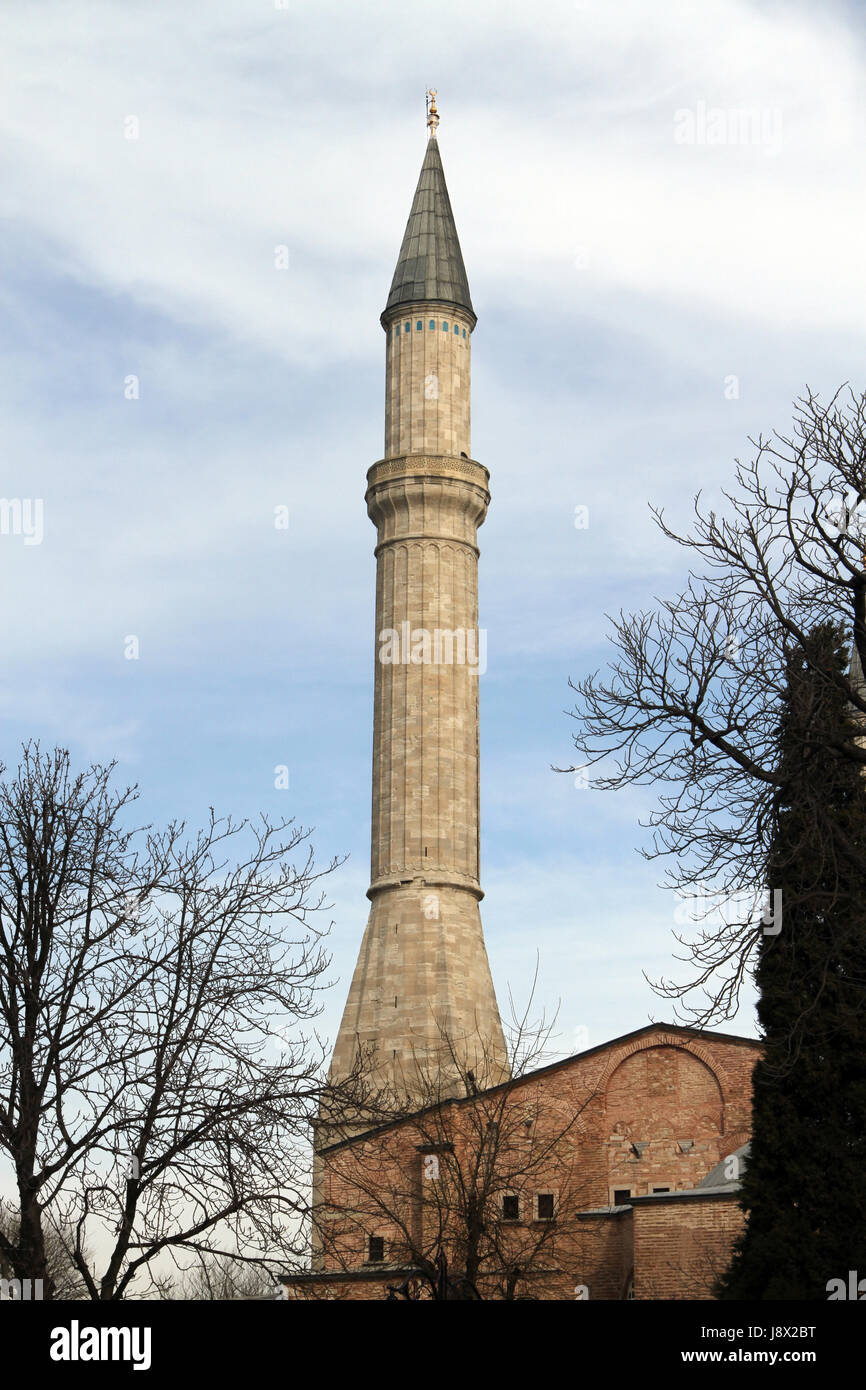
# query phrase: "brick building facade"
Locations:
[[595, 1177]]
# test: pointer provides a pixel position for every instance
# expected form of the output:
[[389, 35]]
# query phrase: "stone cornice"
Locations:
[[424, 307], [431, 878], [428, 466]]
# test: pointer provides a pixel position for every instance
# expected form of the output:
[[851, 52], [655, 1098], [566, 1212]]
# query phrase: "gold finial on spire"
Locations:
[[432, 113]]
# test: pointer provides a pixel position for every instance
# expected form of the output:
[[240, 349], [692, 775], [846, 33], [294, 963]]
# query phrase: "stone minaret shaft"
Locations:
[[421, 1002]]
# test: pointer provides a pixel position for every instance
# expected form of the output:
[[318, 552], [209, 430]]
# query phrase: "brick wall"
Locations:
[[682, 1245]]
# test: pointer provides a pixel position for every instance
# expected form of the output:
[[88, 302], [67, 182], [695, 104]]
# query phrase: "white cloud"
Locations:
[[269, 127]]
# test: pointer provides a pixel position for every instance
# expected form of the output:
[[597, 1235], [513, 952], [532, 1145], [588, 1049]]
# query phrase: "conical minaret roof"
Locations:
[[430, 265]]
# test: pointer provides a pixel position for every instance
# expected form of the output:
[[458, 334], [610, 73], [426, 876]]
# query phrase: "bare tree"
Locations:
[[690, 703], [66, 1282], [156, 1080], [451, 1183], [225, 1278]]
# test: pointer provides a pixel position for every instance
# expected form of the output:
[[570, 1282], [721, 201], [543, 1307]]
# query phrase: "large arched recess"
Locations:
[[663, 1089]]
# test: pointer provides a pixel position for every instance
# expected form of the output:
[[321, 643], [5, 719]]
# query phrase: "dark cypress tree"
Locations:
[[803, 1190]]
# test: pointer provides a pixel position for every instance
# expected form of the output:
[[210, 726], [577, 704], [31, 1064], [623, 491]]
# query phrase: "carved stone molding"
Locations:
[[428, 465]]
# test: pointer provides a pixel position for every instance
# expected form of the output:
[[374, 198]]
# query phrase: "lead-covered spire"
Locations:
[[430, 265]]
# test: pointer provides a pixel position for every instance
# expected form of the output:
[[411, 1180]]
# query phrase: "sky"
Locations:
[[660, 209]]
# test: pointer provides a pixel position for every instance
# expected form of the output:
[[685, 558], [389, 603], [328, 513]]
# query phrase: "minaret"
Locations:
[[421, 1002]]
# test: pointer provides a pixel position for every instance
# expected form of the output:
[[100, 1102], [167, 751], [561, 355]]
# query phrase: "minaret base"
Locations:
[[421, 1010]]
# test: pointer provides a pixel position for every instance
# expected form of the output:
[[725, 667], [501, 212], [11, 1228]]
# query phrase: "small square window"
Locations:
[[376, 1249], [660, 1189], [511, 1207], [432, 323], [418, 325], [621, 1196], [545, 1206]]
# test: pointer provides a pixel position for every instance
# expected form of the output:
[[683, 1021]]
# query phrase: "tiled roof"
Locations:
[[430, 265]]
